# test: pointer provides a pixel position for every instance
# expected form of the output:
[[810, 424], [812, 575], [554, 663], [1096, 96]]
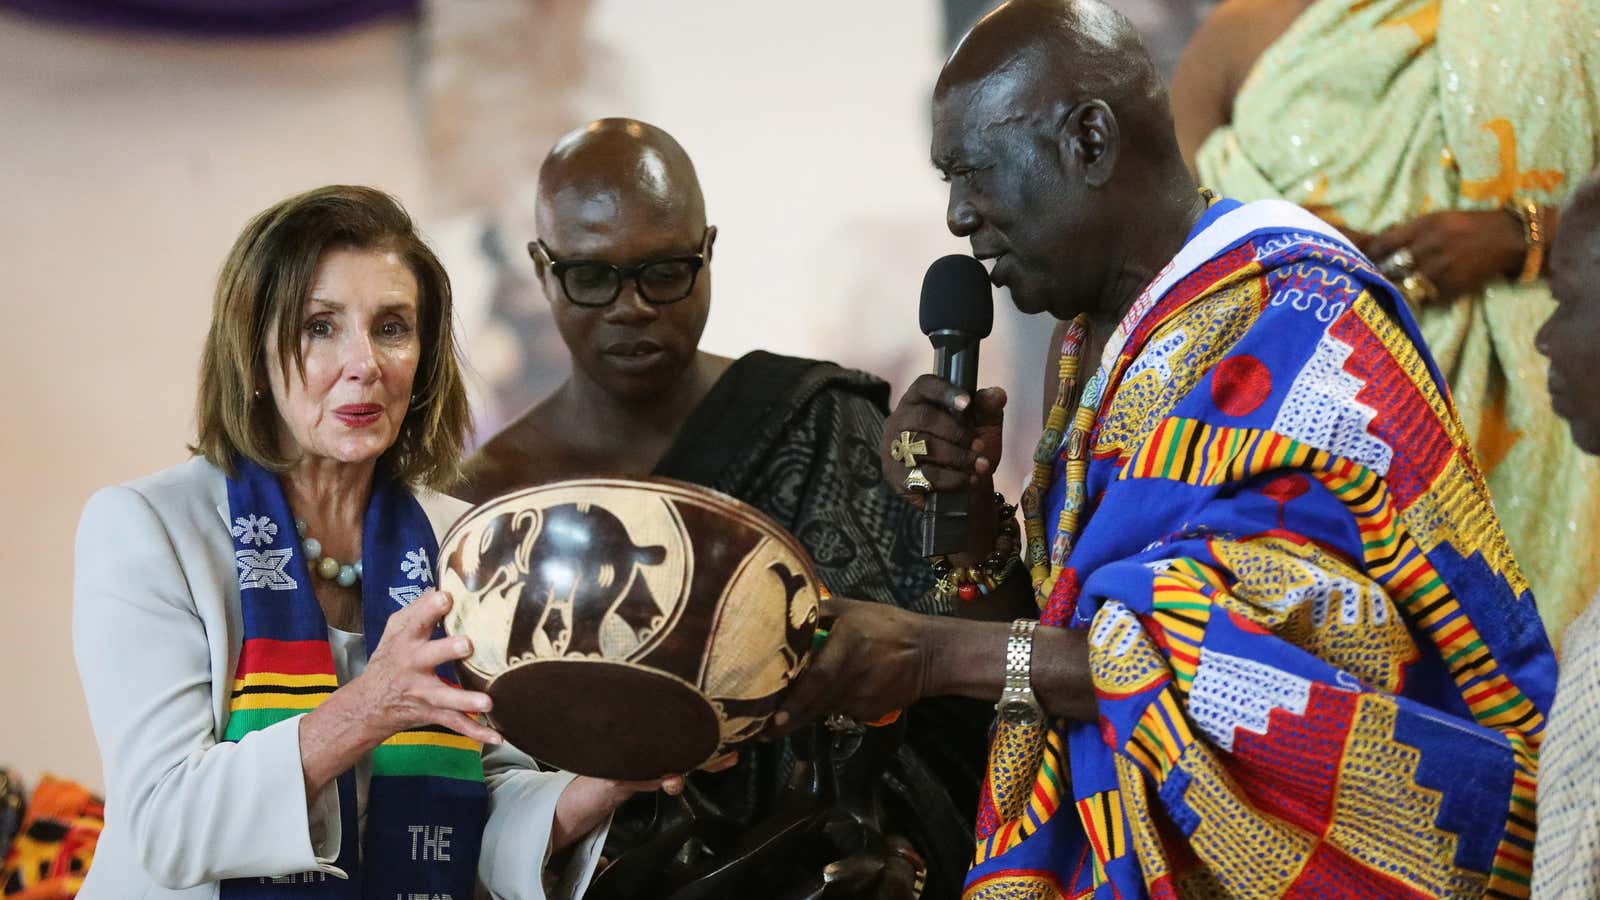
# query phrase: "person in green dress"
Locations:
[[1441, 135]]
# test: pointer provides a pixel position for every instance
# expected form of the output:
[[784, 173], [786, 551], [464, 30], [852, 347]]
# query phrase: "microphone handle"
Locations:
[[944, 518], [957, 364]]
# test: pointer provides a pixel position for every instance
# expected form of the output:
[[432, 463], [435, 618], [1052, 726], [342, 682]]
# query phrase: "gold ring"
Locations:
[[916, 482], [908, 854], [1417, 289], [907, 447], [919, 867]]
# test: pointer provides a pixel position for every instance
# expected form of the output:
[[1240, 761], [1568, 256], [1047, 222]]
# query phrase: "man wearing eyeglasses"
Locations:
[[624, 257]]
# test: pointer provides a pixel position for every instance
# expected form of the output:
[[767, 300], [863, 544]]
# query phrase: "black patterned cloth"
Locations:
[[798, 439]]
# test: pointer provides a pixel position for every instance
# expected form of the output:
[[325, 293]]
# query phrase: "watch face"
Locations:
[[1018, 712]]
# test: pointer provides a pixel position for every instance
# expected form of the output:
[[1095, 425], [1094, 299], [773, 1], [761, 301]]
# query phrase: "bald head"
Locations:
[[624, 256], [1571, 336], [618, 169], [1580, 219], [1574, 264], [1035, 59], [1052, 127]]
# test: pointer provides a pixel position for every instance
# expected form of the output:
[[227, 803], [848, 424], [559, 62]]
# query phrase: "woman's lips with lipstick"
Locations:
[[358, 415]]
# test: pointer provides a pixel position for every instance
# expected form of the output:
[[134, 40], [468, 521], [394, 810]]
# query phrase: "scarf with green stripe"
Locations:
[[426, 804]]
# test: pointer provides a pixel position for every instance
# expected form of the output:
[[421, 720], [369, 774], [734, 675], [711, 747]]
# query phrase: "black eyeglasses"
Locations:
[[591, 283]]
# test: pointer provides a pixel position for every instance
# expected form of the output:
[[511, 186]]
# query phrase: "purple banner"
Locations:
[[220, 18]]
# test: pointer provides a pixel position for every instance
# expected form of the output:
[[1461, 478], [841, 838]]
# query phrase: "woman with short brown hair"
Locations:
[[256, 628], [268, 277]]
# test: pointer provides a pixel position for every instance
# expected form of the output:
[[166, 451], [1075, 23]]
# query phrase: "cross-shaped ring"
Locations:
[[907, 447]]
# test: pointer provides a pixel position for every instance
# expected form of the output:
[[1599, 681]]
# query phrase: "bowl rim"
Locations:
[[687, 489], [672, 486]]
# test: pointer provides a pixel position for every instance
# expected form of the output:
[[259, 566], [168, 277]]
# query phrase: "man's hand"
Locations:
[[893, 872], [963, 436], [872, 664], [879, 658], [1459, 251]]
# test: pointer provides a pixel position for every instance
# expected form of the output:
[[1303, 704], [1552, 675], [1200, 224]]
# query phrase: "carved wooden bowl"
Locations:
[[628, 629]]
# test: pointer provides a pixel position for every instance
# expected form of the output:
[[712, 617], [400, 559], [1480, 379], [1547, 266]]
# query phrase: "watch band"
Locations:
[[1017, 696]]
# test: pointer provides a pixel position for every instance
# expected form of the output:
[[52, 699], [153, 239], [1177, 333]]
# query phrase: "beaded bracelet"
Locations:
[[968, 583]]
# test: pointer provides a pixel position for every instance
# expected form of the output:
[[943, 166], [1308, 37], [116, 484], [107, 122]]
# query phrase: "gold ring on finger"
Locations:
[[907, 448], [917, 482], [919, 867], [1417, 289]]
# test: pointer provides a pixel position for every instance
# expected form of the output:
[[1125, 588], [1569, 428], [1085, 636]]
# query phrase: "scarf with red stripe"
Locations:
[[426, 804]]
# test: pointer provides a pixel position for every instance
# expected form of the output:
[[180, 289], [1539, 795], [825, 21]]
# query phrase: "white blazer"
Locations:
[[156, 630]]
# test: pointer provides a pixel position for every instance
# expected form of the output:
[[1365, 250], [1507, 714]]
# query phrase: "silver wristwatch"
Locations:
[[1017, 704]]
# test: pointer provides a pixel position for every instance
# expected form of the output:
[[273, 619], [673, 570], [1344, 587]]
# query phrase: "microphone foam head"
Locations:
[[956, 296]]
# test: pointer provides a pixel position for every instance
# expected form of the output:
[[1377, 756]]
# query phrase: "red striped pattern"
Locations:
[[284, 657]]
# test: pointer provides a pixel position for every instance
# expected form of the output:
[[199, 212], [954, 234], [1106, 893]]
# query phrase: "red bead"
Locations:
[[967, 593]]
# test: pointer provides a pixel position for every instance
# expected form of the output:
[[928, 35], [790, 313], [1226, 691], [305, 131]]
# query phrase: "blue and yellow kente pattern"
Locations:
[[1318, 669]]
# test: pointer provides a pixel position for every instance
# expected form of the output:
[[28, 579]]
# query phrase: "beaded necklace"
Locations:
[[326, 566], [1045, 566]]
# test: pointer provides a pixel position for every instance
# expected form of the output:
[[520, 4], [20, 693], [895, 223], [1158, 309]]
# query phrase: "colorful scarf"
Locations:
[[1319, 671], [426, 805], [1374, 112]]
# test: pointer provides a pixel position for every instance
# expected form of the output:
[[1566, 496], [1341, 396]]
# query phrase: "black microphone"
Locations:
[[957, 312]]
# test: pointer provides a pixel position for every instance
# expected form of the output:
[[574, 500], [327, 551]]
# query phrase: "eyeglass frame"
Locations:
[[538, 248]]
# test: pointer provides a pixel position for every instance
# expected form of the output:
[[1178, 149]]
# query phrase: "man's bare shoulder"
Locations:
[[1216, 62], [1258, 13], [519, 455], [1236, 33]]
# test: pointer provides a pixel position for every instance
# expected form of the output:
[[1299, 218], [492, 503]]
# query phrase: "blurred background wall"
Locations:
[[136, 144]]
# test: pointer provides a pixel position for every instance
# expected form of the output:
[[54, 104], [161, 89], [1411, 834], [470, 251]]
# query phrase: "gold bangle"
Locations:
[[1531, 215]]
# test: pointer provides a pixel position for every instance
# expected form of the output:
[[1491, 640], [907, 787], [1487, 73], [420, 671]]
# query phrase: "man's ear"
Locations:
[[711, 240], [540, 261], [541, 266], [1089, 139]]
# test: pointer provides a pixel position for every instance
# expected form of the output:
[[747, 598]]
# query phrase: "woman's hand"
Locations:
[[1459, 252], [586, 801], [399, 689]]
